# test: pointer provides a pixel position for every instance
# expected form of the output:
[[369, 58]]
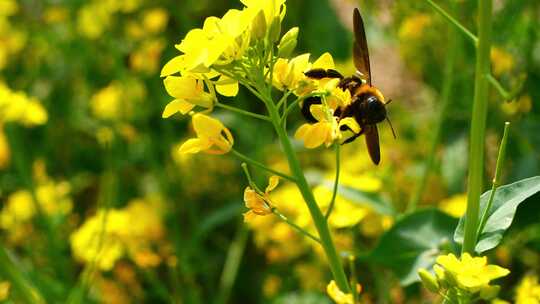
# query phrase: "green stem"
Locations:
[[301, 230], [448, 83], [478, 125], [232, 264], [502, 91], [262, 166], [10, 271], [336, 183], [496, 179], [453, 21], [316, 214], [243, 112]]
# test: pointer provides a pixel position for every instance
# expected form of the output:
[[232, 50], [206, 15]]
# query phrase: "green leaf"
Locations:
[[500, 216], [414, 242]]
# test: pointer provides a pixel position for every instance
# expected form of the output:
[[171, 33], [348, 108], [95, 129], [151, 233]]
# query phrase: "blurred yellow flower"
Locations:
[[522, 105], [455, 205], [528, 290], [4, 290], [212, 136], [112, 234], [259, 203], [108, 103], [4, 150], [188, 92], [18, 107], [501, 61], [55, 14], [345, 212], [155, 20], [471, 274], [413, 27], [338, 296], [271, 285], [146, 57]]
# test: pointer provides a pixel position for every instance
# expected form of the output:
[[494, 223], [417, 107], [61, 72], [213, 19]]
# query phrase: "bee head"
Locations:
[[375, 110]]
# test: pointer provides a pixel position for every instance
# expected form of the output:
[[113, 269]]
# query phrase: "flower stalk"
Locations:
[[318, 217], [478, 125]]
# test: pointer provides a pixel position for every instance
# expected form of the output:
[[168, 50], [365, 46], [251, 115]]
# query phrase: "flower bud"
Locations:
[[489, 292], [428, 280], [258, 26], [275, 30], [288, 43]]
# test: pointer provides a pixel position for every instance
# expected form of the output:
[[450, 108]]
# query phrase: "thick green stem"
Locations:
[[448, 83], [478, 125], [316, 214], [496, 179]]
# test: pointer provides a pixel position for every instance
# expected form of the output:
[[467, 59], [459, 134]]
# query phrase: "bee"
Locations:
[[368, 106]]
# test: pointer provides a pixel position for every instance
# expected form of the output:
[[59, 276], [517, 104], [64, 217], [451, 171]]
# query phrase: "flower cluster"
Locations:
[[19, 107], [114, 233], [465, 278]]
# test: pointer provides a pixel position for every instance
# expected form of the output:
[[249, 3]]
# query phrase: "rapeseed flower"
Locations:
[[338, 296], [259, 203], [5, 287], [528, 290], [112, 234], [212, 137], [18, 107], [189, 92]]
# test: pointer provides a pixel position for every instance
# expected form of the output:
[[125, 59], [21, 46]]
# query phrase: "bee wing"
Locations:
[[372, 143], [360, 48]]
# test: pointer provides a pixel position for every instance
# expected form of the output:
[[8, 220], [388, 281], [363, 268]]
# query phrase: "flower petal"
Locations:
[[324, 62], [194, 145], [273, 181], [227, 86], [206, 126], [174, 66], [177, 105]]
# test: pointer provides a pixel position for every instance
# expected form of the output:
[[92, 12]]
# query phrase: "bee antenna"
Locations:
[[389, 101], [391, 127]]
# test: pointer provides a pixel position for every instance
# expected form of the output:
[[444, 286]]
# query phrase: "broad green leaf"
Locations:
[[414, 242], [500, 216]]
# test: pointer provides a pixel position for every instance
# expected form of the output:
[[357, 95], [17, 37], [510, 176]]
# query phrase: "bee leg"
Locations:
[[307, 103], [322, 73], [352, 138]]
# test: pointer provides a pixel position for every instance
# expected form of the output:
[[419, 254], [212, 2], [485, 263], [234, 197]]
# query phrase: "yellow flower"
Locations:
[[218, 42], [146, 58], [345, 213], [18, 107], [528, 290], [337, 295], [4, 290], [188, 92], [108, 103], [324, 131], [470, 273], [155, 20], [455, 205], [212, 137], [287, 74], [111, 234], [501, 60], [259, 204], [413, 27], [4, 150], [522, 105]]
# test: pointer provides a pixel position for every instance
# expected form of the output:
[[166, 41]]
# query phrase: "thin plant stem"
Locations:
[[262, 166], [496, 179], [448, 82], [503, 92], [336, 183], [478, 125], [453, 21], [232, 265], [316, 214], [354, 281], [10, 271], [243, 112], [251, 183], [302, 231]]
